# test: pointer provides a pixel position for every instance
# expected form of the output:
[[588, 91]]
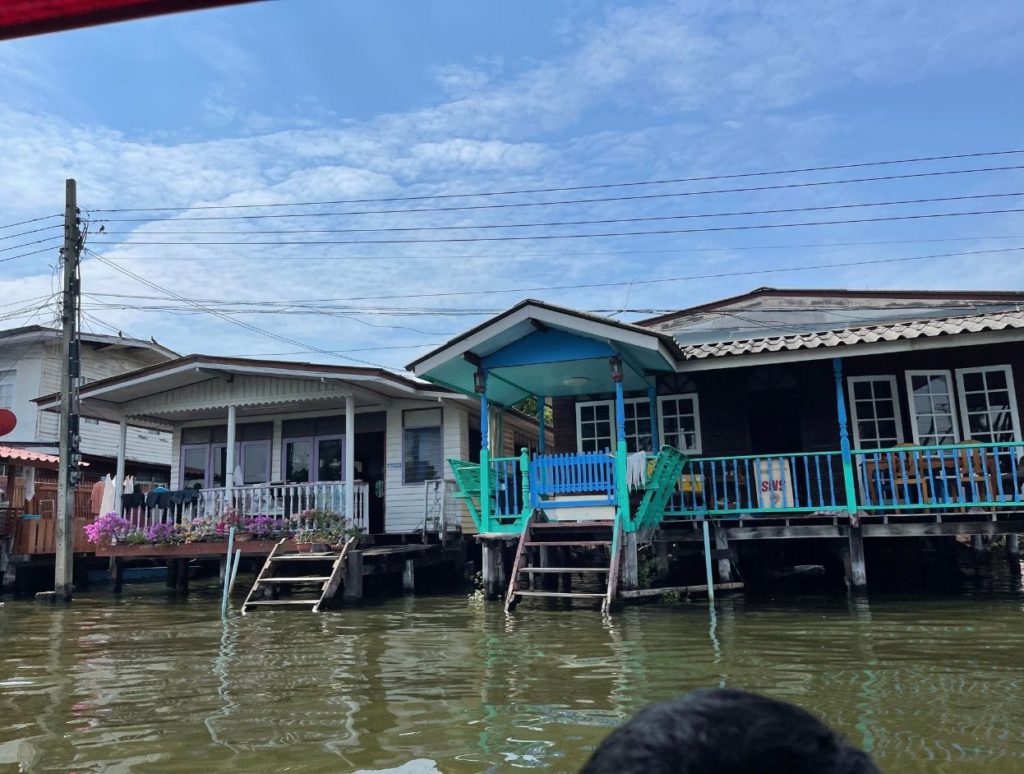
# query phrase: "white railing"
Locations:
[[440, 508], [278, 501]]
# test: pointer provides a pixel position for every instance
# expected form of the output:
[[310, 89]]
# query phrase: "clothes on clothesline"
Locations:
[[28, 475], [636, 470], [96, 497]]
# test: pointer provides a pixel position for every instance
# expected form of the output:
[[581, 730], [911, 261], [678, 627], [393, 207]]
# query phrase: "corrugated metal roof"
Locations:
[[13, 454], [864, 334]]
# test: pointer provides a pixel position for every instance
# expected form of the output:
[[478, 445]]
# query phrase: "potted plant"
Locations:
[[303, 540]]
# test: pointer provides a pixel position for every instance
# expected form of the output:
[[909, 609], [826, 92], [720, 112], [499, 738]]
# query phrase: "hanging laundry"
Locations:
[[29, 477], [636, 470], [129, 485], [107, 501], [96, 498]]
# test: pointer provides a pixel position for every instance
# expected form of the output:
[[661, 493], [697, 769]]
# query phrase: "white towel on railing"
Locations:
[[636, 470]]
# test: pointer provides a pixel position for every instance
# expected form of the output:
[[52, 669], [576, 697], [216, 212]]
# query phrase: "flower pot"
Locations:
[[303, 548], [319, 548], [243, 537]]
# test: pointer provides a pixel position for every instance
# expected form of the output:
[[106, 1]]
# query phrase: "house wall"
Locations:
[[27, 366], [731, 397]]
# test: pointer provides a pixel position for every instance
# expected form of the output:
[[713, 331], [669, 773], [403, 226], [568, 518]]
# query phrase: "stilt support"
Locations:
[[409, 576], [117, 573], [182, 576], [630, 562], [1013, 545], [978, 543], [856, 571], [495, 580], [661, 558], [724, 560], [353, 576]]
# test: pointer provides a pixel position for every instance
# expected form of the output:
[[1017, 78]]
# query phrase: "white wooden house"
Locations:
[[260, 433], [30, 361]]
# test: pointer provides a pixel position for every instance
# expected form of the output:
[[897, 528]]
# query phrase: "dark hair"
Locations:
[[726, 731]]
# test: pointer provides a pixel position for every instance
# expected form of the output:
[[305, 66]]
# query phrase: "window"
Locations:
[[931, 407], [7, 389], [298, 460], [988, 408], [595, 426], [679, 420], [194, 460], [875, 412], [328, 459], [422, 446], [255, 461]]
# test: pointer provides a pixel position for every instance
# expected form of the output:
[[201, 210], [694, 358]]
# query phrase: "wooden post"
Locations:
[[978, 543], [630, 564], [541, 443], [724, 563], [117, 573], [661, 557], [409, 576], [171, 578], [493, 556], [652, 397], [353, 576], [485, 456], [706, 527], [1013, 545], [182, 576], [350, 462], [856, 570]]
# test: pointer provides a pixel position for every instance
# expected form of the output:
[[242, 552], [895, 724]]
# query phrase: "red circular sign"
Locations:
[[7, 421]]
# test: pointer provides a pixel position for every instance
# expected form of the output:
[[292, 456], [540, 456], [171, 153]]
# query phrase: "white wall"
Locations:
[[27, 369]]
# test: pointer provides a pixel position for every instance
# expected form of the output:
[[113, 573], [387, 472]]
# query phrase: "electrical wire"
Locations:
[[506, 205], [26, 255], [31, 220], [226, 317], [600, 235], [595, 186], [31, 231], [27, 244]]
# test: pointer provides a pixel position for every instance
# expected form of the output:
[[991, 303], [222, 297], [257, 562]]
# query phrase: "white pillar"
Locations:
[[122, 446], [350, 458], [229, 463]]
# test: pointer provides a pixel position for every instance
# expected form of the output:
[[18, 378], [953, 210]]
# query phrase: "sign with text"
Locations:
[[774, 484]]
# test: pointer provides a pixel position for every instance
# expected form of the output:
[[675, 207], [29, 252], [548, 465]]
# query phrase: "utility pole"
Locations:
[[70, 458]]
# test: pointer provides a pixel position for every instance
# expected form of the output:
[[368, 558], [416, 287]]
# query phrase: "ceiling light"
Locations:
[[575, 381]]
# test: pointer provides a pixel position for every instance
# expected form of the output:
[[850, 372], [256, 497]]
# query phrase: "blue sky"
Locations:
[[302, 100]]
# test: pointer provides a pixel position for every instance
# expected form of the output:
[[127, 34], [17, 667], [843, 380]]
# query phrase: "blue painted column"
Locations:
[[652, 396], [844, 438], [621, 488], [485, 459], [540, 422]]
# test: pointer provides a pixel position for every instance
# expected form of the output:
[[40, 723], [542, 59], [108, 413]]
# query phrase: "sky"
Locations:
[[385, 108]]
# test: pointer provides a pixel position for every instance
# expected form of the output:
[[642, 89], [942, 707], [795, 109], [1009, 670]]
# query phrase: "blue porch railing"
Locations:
[[590, 474], [789, 483], [976, 475]]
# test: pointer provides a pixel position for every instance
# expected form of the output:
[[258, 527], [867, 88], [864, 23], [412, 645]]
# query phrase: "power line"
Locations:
[[506, 205], [591, 187], [31, 231], [28, 244], [26, 255], [226, 317], [717, 275], [562, 254], [657, 232], [32, 220]]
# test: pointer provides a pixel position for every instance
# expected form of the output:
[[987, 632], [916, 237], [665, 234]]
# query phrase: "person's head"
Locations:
[[726, 731]]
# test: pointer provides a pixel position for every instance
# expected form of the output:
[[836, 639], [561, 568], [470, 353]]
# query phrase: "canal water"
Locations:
[[153, 683]]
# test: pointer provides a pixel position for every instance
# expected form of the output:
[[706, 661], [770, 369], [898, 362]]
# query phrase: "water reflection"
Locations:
[[438, 684]]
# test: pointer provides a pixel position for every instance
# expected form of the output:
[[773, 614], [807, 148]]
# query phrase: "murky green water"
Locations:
[[150, 684]]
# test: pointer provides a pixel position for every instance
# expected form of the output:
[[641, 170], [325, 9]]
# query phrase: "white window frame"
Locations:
[[614, 423], [952, 401], [698, 443], [9, 378], [962, 397], [855, 420], [611, 416]]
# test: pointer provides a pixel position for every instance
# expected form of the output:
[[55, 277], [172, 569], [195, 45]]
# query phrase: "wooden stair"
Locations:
[[598, 555], [291, 572]]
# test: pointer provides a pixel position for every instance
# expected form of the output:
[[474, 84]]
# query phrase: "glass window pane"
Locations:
[[423, 454], [862, 390], [329, 460], [297, 461], [995, 379], [973, 382], [193, 463], [883, 388], [255, 463]]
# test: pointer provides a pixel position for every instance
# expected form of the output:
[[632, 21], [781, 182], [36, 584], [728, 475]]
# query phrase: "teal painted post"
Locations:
[[540, 422], [707, 560], [844, 438], [485, 460], [621, 487], [524, 473], [652, 396]]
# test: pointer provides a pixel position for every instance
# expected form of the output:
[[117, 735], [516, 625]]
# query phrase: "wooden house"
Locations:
[[830, 414]]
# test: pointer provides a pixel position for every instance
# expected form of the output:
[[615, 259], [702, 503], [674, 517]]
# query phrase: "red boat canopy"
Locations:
[[33, 17]]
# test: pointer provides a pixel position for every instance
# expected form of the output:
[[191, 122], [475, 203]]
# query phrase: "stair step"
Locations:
[[576, 594], [573, 524], [330, 557], [298, 579], [563, 569], [581, 543], [281, 602]]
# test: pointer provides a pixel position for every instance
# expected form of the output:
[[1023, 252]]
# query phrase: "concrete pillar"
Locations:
[[122, 451], [1013, 545], [630, 564], [724, 563], [229, 464], [494, 568], [409, 576], [856, 569], [350, 461], [353, 576]]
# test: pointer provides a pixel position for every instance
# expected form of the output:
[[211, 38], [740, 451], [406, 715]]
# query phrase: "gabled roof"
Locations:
[[40, 332]]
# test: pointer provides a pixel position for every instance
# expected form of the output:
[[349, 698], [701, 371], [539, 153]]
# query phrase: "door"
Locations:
[[370, 468], [774, 423]]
